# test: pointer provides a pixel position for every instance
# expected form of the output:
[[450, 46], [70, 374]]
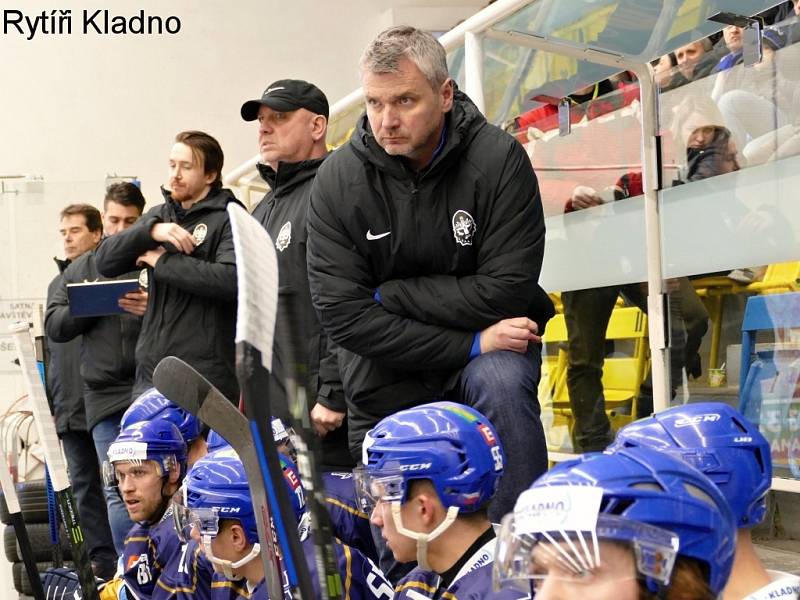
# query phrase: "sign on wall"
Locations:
[[11, 311]]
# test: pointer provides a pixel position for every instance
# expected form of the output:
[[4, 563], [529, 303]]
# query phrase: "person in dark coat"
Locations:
[[186, 244], [81, 230], [425, 243], [108, 342]]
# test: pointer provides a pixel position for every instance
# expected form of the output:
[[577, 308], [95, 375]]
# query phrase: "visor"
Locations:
[[379, 487], [616, 549]]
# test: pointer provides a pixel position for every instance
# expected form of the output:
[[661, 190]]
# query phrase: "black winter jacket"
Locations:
[[450, 250], [191, 309], [283, 213], [63, 374], [108, 364]]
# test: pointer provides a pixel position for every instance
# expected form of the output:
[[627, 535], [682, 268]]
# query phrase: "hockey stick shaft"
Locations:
[[183, 385], [54, 458], [18, 521]]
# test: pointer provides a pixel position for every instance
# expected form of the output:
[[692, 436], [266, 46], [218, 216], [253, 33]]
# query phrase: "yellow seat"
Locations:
[[778, 278], [622, 375]]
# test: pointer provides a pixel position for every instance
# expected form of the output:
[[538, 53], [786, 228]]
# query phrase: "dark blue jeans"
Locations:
[[84, 475], [104, 433], [503, 386]]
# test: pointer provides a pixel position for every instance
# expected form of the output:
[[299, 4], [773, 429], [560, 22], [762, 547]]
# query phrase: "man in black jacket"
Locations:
[[426, 238], [108, 343], [81, 230], [292, 120], [187, 246]]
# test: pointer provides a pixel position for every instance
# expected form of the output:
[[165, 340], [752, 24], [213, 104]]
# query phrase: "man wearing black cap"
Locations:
[[293, 120]]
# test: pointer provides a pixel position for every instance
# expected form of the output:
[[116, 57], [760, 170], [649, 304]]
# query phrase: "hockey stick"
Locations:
[[54, 458], [257, 280], [257, 275], [17, 520], [184, 386]]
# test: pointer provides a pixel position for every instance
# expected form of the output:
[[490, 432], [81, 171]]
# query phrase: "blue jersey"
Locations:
[[223, 588], [147, 549], [186, 575], [350, 523], [472, 582]]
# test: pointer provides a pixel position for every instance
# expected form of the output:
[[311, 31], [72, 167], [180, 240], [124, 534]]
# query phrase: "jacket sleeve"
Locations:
[[509, 260], [58, 324], [331, 390], [342, 289], [118, 253], [215, 280]]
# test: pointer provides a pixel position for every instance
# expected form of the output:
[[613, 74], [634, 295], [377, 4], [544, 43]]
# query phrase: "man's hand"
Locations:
[[325, 419], [510, 334], [134, 303], [585, 197], [151, 257], [175, 235]]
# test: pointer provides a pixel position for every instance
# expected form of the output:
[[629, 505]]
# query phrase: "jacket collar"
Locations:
[[462, 123], [289, 175], [62, 264], [217, 199]]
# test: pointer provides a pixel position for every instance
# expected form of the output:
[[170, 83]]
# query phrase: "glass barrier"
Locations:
[[730, 224]]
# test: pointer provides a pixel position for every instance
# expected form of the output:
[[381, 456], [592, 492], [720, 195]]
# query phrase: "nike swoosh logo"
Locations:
[[371, 236]]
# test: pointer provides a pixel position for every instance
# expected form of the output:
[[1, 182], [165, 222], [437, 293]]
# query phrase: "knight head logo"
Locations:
[[143, 280], [200, 233], [284, 237], [463, 227]]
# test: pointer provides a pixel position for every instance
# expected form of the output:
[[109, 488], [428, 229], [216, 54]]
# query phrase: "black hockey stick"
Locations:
[[17, 520], [54, 458], [257, 280], [184, 386], [257, 268]]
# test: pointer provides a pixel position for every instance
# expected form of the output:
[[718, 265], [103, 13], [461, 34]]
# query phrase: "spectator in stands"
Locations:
[[695, 60], [418, 314], [108, 342], [587, 313], [292, 123], [667, 76], [789, 26], [187, 246], [757, 101], [81, 230], [732, 34]]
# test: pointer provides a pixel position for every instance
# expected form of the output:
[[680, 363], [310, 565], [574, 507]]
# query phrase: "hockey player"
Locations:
[[430, 473], [152, 405], [634, 524], [217, 485], [147, 463], [732, 452]]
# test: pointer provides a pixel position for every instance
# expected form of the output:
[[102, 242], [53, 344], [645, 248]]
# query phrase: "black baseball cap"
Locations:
[[286, 95]]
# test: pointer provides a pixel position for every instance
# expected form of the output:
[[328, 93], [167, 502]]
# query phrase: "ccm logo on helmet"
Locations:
[[229, 509], [707, 418], [417, 467]]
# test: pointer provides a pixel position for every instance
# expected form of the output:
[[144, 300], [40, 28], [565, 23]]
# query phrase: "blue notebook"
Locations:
[[98, 298]]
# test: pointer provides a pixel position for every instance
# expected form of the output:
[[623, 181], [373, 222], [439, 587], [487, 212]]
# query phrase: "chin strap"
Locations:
[[422, 538], [228, 566]]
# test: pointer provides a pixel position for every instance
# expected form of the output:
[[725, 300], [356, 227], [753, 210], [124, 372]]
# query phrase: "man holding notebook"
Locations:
[[109, 338]]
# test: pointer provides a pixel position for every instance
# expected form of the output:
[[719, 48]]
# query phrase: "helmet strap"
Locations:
[[422, 538], [228, 566]]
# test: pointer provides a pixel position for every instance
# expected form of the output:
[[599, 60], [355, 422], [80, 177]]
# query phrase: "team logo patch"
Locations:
[[200, 233], [284, 237], [463, 227], [143, 279]]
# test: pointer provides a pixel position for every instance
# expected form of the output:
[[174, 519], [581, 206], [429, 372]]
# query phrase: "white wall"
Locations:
[[76, 107]]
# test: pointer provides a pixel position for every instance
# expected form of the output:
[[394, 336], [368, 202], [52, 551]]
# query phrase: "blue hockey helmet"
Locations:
[[657, 505], [160, 441], [152, 405], [215, 441], [452, 445], [719, 441]]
